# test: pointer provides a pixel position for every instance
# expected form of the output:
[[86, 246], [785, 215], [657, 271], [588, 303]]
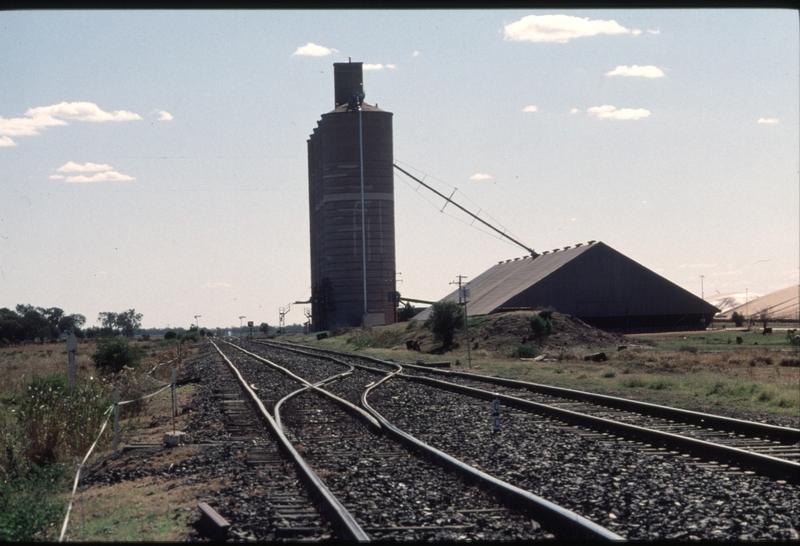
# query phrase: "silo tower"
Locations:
[[351, 209]]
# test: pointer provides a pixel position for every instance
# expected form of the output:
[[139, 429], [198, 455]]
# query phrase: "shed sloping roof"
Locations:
[[495, 286], [591, 280]]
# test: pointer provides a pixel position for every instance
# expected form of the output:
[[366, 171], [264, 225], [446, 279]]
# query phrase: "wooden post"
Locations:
[[116, 420], [72, 346]]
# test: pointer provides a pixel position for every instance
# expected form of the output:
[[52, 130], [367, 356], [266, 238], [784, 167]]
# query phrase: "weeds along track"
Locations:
[[396, 493], [635, 488]]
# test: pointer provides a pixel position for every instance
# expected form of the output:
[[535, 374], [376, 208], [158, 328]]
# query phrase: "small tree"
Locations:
[[445, 318], [170, 334], [115, 353], [738, 319], [264, 328], [541, 326]]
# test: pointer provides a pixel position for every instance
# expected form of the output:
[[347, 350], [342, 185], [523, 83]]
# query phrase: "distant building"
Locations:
[[351, 287], [593, 282], [781, 305]]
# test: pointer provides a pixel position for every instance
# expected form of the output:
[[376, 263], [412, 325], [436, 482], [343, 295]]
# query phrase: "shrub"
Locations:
[[523, 350], [191, 335], [738, 319], [55, 424], [541, 325], [31, 505], [445, 318], [170, 334], [609, 374], [113, 354]]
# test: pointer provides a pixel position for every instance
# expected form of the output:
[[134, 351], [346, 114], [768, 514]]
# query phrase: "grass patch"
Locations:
[[609, 374], [523, 350], [632, 383]]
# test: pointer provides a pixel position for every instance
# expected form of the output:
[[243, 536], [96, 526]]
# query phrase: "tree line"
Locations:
[[39, 324]]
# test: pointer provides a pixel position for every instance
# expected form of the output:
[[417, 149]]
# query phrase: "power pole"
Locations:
[[463, 292]]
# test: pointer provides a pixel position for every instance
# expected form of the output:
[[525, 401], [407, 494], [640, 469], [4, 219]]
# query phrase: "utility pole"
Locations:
[[464, 292], [197, 322], [702, 297]]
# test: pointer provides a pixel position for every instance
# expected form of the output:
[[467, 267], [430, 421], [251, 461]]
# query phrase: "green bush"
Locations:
[[541, 326], [191, 335], [170, 334], [54, 424], [523, 350], [446, 317], [30, 505], [738, 319], [113, 354]]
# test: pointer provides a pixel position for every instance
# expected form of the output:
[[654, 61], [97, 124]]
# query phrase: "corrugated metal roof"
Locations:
[[492, 288]]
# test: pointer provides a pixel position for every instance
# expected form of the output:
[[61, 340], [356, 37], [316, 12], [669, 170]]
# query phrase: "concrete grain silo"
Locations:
[[351, 209]]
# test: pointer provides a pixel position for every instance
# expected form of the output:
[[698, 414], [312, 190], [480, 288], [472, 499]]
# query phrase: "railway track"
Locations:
[[391, 492], [767, 449], [610, 477]]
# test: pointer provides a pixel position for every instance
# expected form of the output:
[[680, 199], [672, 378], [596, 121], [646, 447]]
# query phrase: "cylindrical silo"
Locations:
[[339, 272]]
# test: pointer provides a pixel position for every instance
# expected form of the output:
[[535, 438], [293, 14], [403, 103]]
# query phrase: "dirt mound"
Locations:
[[504, 331]]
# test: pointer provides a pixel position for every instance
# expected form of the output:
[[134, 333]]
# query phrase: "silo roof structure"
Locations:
[[591, 281]]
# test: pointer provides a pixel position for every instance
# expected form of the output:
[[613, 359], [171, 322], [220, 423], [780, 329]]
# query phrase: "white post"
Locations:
[[174, 399], [116, 420]]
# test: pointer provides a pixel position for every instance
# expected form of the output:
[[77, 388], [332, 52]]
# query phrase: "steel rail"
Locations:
[[785, 435], [336, 512], [352, 409], [764, 464], [565, 523], [277, 410]]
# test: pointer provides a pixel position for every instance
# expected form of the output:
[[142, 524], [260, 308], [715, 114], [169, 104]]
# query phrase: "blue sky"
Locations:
[[156, 160]]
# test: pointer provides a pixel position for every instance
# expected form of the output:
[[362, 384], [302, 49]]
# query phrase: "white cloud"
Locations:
[[559, 28], [530, 108], [635, 70], [109, 176], [81, 111], [651, 31], [768, 120], [480, 176], [164, 116], [48, 116], [56, 177], [611, 112], [378, 66], [313, 50], [415, 54], [72, 167], [636, 32], [573, 111]]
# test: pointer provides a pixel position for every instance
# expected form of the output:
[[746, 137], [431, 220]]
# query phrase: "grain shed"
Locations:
[[351, 206], [591, 281]]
